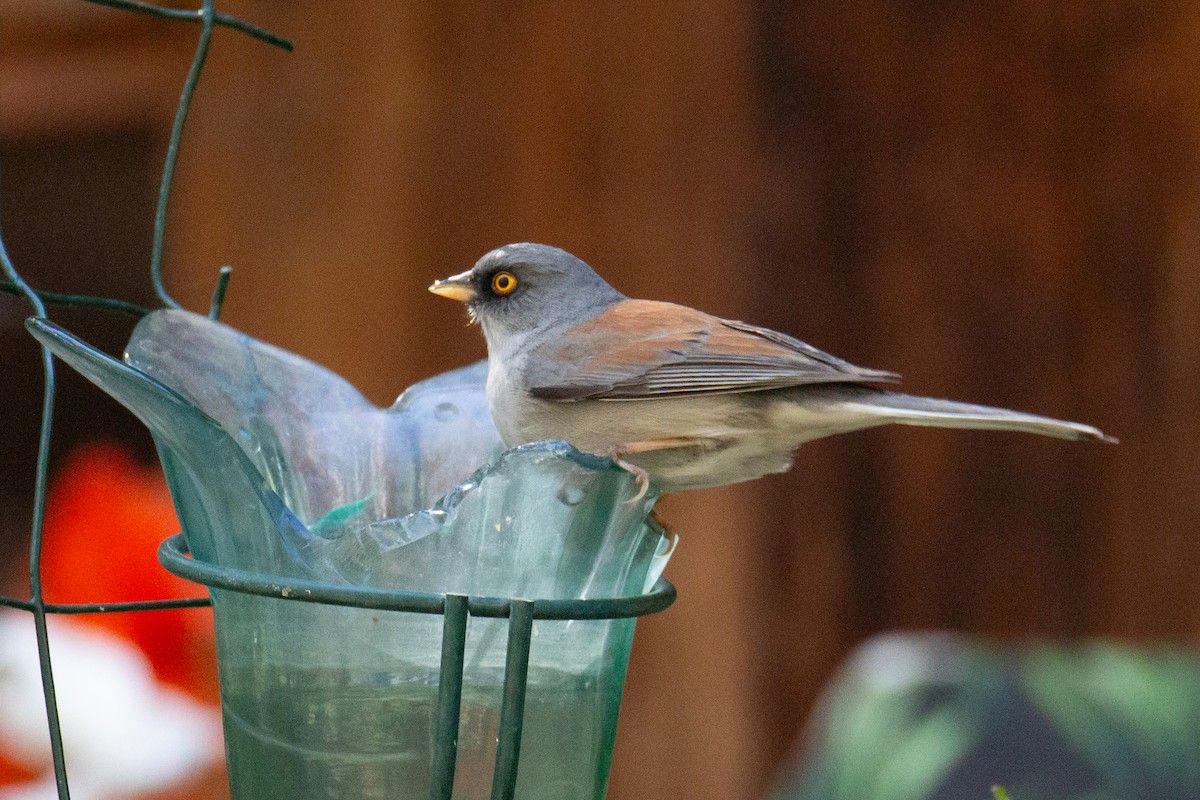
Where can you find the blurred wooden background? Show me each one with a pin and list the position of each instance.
(998, 200)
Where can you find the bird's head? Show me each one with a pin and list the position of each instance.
(524, 287)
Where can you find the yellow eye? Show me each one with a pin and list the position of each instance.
(503, 282)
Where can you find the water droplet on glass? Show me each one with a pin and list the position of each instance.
(444, 412)
(570, 495)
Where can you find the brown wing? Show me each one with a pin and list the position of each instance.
(641, 349)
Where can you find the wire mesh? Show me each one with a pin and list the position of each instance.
(208, 18)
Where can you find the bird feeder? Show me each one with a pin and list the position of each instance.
(386, 629)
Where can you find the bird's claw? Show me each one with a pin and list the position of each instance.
(640, 475)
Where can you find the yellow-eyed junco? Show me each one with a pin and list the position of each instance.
(690, 399)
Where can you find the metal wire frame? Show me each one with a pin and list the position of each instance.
(454, 608)
(208, 18)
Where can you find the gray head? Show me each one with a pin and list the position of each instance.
(524, 287)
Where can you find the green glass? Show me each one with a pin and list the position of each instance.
(279, 467)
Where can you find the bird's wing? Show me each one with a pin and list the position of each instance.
(640, 349)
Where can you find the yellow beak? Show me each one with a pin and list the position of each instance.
(457, 287)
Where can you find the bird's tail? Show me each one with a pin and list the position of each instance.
(905, 409)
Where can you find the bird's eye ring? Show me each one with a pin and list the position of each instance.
(504, 283)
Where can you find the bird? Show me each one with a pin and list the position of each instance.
(683, 399)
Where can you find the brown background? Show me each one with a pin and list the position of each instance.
(998, 200)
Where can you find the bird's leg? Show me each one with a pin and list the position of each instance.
(617, 453)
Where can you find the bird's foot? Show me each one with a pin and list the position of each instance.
(640, 475)
(617, 454)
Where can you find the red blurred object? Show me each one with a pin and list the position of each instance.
(105, 517)
(12, 773)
